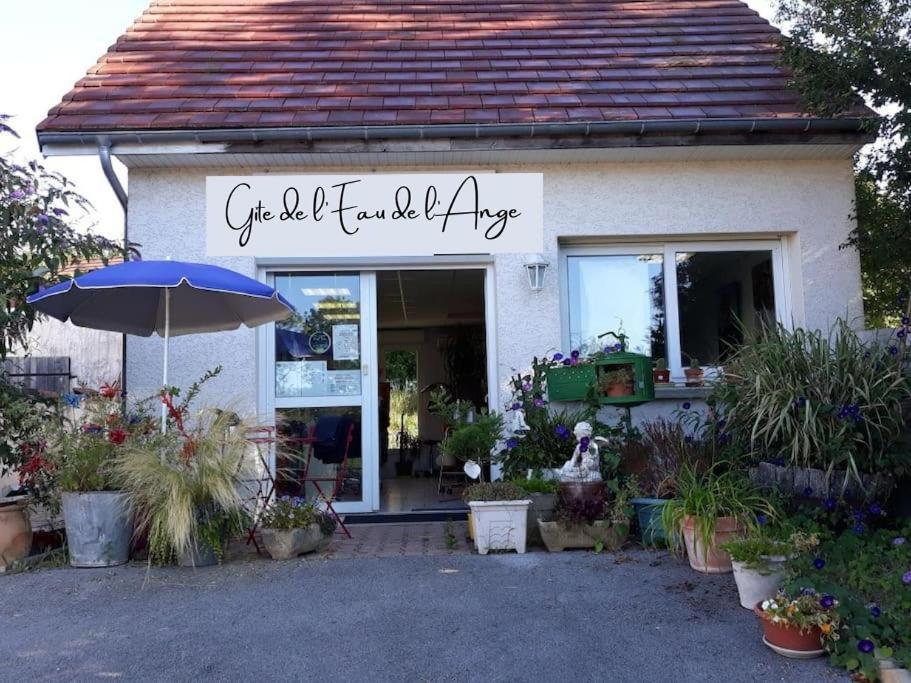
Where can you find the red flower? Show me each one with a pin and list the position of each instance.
(108, 390)
(117, 436)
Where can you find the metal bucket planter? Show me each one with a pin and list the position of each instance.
(651, 526)
(99, 525)
(15, 533)
(286, 544)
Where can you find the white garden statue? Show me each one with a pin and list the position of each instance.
(518, 425)
(585, 463)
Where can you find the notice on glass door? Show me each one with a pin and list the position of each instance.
(346, 342)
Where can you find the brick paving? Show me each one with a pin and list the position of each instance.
(402, 540)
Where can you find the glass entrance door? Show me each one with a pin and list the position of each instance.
(323, 387)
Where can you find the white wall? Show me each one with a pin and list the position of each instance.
(809, 201)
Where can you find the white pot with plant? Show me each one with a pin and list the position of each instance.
(499, 513)
(291, 527)
(760, 559)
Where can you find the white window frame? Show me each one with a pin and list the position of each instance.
(669, 250)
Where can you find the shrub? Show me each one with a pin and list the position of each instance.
(820, 401)
(295, 513)
(667, 447)
(870, 575)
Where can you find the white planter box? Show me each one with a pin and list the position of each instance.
(500, 524)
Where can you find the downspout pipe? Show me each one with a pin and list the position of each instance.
(104, 157)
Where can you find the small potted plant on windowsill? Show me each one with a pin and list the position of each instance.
(499, 513)
(618, 382)
(292, 527)
(660, 373)
(695, 375)
(798, 627)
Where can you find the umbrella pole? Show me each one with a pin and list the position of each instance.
(164, 374)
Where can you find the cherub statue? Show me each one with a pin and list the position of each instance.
(585, 463)
(518, 425)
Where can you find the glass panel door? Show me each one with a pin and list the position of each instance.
(324, 389)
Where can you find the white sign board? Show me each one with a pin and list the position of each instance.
(374, 214)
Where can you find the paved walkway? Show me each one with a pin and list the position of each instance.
(632, 616)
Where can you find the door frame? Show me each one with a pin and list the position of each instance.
(367, 268)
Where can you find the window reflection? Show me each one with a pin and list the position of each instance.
(317, 350)
(614, 292)
(716, 293)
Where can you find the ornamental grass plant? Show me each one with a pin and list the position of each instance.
(184, 484)
(817, 400)
(707, 496)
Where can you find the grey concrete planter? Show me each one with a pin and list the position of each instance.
(542, 507)
(286, 544)
(99, 525)
(796, 480)
(558, 537)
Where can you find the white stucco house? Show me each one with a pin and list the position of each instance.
(654, 156)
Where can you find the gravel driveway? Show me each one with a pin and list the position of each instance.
(634, 616)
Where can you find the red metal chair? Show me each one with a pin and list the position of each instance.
(338, 481)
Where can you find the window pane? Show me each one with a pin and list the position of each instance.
(318, 349)
(715, 290)
(613, 293)
(322, 444)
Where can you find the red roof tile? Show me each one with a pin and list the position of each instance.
(201, 64)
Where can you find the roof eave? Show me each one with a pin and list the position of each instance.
(674, 130)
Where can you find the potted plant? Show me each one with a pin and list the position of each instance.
(291, 526)
(617, 382)
(96, 513)
(15, 530)
(499, 513)
(759, 561)
(798, 627)
(711, 508)
(660, 373)
(695, 375)
(589, 523)
(543, 496)
(184, 486)
(655, 454)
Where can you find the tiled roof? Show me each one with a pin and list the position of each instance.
(214, 64)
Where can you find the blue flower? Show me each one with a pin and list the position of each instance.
(562, 432)
(575, 353)
(584, 443)
(898, 540)
(859, 528)
(72, 400)
(558, 356)
(875, 611)
(906, 320)
(762, 519)
(42, 219)
(512, 443)
(807, 591)
(875, 509)
(830, 504)
(901, 333)
(866, 646)
(539, 402)
(516, 406)
(686, 405)
(819, 563)
(827, 602)
(893, 350)
(567, 361)
(858, 516)
(807, 492)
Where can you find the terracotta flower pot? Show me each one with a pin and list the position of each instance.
(15, 533)
(710, 560)
(695, 377)
(661, 376)
(788, 637)
(619, 389)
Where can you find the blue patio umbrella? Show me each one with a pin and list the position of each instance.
(171, 298)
